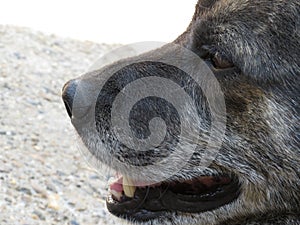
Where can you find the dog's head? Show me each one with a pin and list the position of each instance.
(204, 129)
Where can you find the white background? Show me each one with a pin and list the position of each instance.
(109, 21)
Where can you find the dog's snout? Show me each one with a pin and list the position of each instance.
(68, 93)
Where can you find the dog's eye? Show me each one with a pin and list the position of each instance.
(220, 62)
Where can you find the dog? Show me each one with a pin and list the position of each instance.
(252, 49)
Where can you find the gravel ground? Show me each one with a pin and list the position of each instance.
(43, 178)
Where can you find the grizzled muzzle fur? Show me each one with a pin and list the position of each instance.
(204, 130)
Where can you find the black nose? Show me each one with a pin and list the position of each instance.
(68, 93)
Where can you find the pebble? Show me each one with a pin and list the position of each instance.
(38, 189)
(24, 190)
(39, 215)
(41, 181)
(74, 222)
(53, 202)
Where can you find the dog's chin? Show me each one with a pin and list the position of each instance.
(197, 195)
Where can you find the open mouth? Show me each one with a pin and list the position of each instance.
(142, 203)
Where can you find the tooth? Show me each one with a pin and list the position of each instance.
(128, 187)
(116, 194)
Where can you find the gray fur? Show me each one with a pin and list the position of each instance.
(261, 38)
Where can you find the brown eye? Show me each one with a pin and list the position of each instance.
(220, 62)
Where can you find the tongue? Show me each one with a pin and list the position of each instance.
(117, 185)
